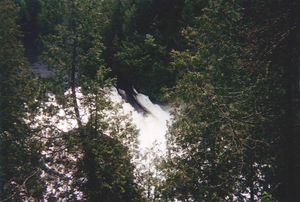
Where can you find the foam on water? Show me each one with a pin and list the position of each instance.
(152, 126)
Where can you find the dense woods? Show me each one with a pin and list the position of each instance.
(228, 70)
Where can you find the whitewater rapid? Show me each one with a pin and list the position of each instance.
(152, 125)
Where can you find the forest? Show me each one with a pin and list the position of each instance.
(150, 100)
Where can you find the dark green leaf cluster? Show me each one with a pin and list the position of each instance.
(19, 150)
(231, 101)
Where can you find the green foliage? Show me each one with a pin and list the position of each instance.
(267, 198)
(76, 41)
(138, 41)
(105, 144)
(19, 156)
(219, 145)
(149, 173)
(140, 56)
(105, 170)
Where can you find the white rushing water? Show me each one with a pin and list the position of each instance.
(152, 126)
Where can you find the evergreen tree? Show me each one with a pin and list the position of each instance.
(140, 56)
(19, 156)
(220, 142)
(276, 36)
(104, 144)
(138, 41)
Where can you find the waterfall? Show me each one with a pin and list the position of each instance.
(152, 125)
(150, 119)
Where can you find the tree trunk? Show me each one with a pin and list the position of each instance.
(73, 83)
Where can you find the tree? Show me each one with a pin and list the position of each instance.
(279, 46)
(20, 150)
(220, 143)
(144, 56)
(138, 40)
(104, 143)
